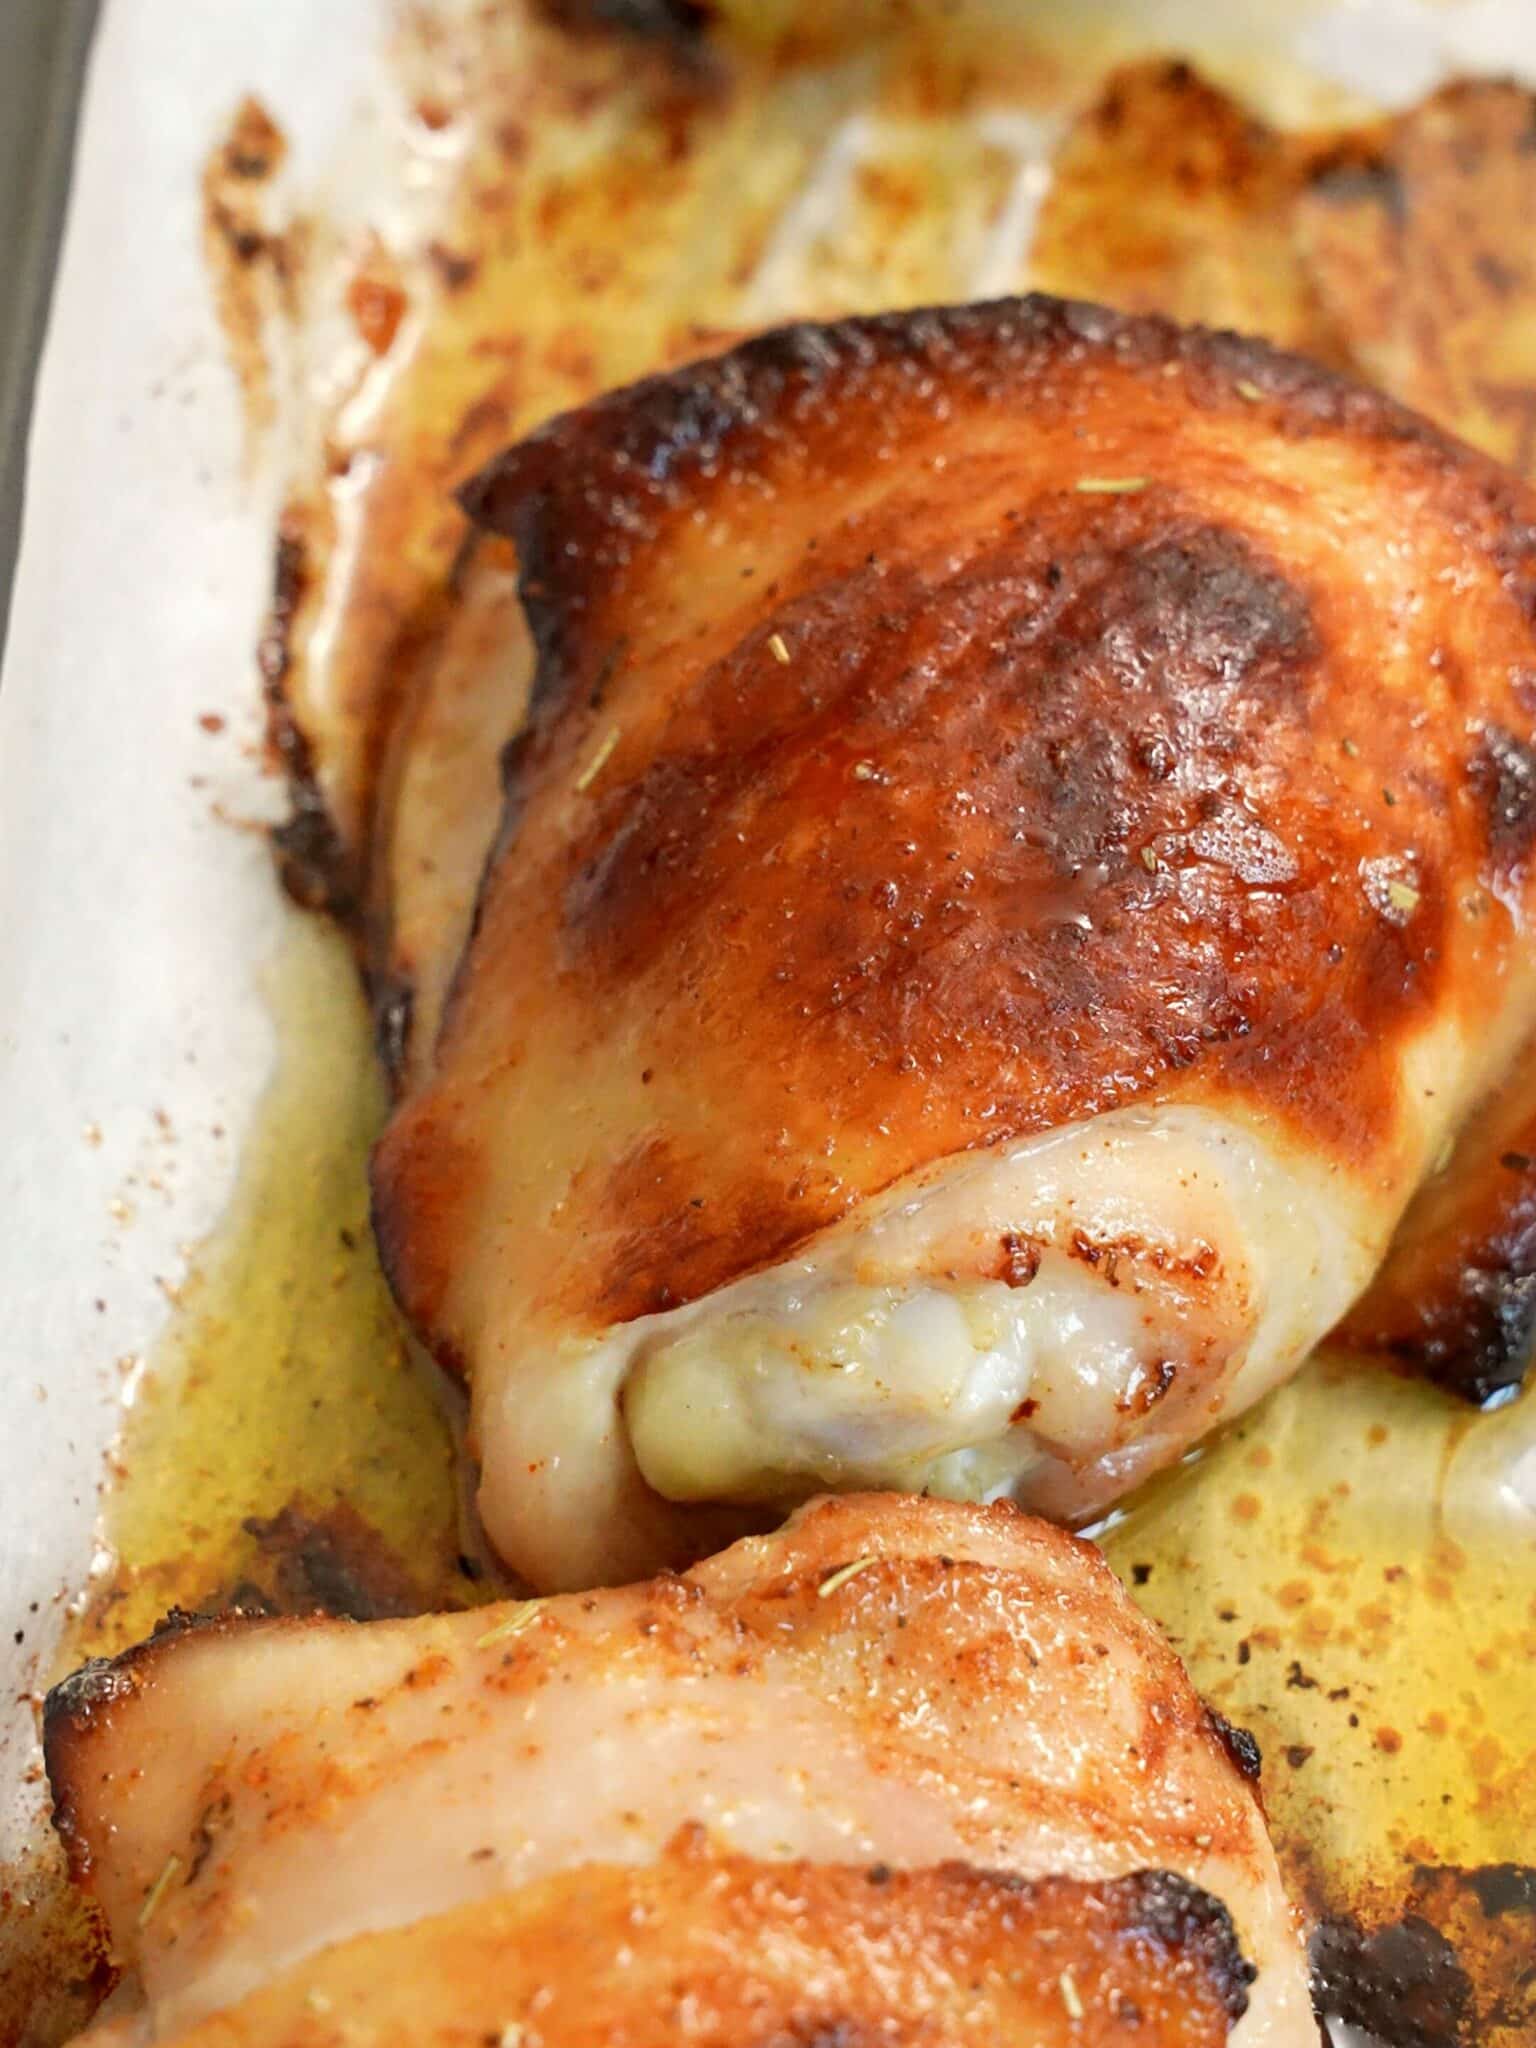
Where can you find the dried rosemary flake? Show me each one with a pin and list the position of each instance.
(1071, 1998)
(1111, 486)
(865, 771)
(778, 647)
(1349, 748)
(523, 1615)
(1403, 897)
(158, 1890)
(594, 767)
(1148, 858)
(1389, 797)
(841, 1576)
(1246, 388)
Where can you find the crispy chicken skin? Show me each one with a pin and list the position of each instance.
(1396, 249)
(1392, 248)
(720, 1950)
(1412, 237)
(827, 1777)
(1456, 1299)
(1016, 869)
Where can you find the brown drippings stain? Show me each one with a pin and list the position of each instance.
(1020, 1260)
(377, 304)
(54, 1965)
(335, 1562)
(252, 262)
(257, 257)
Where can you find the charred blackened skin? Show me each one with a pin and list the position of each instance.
(85, 1693)
(1183, 1919)
(1162, 1908)
(69, 1713)
(392, 1001)
(1457, 1301)
(1485, 1353)
(311, 861)
(74, 1705)
(1238, 1743)
(1504, 772)
(1402, 1982)
(102, 1681)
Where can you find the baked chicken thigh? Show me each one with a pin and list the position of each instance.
(1016, 870)
(906, 1771)
(1395, 248)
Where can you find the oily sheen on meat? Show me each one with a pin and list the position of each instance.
(905, 1771)
(1016, 870)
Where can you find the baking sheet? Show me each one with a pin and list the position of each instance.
(43, 47)
(138, 919)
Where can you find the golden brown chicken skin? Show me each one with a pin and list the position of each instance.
(1394, 249)
(722, 1952)
(960, 735)
(905, 1770)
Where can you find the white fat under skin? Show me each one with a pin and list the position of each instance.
(1187, 1261)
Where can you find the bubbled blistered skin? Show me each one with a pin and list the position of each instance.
(950, 728)
(829, 1778)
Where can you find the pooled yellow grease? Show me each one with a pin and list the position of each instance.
(284, 1379)
(1351, 1574)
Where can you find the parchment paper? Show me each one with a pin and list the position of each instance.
(134, 921)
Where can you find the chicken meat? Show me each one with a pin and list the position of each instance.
(1392, 248)
(1015, 872)
(906, 1770)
